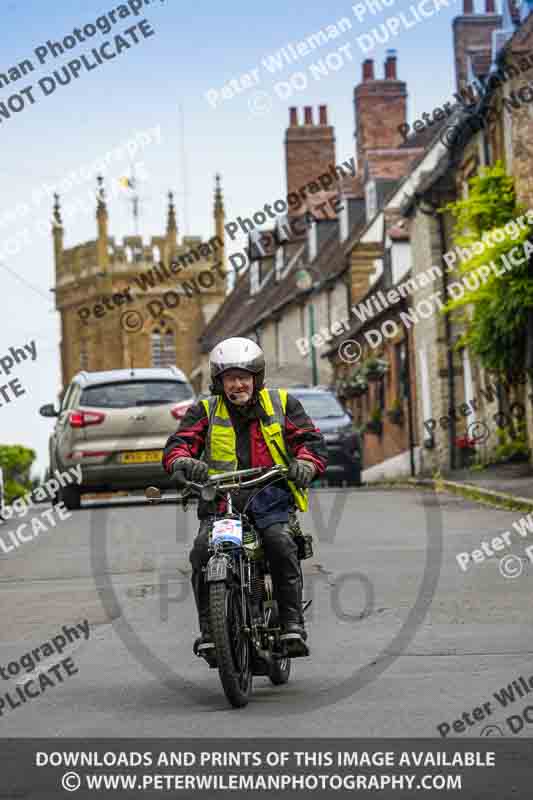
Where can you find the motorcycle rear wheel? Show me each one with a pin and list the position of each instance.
(233, 649)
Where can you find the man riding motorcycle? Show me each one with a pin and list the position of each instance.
(242, 425)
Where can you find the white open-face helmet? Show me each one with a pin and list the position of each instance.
(236, 353)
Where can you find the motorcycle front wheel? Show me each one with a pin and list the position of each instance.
(227, 619)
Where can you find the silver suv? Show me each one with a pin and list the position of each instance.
(114, 425)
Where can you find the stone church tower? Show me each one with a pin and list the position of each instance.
(130, 304)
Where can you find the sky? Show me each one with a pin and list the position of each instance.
(161, 82)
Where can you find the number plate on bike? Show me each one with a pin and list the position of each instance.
(217, 569)
(227, 530)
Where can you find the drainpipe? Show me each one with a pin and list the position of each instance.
(452, 432)
(410, 422)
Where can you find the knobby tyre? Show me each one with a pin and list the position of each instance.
(232, 646)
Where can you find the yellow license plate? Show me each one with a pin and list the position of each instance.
(141, 457)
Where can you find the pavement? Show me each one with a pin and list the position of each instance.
(508, 485)
(515, 480)
(402, 640)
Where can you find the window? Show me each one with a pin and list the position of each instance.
(468, 382)
(400, 354)
(279, 262)
(163, 346)
(129, 394)
(371, 200)
(312, 241)
(344, 222)
(255, 277)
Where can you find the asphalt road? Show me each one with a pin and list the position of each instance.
(401, 639)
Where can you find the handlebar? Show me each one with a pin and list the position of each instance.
(218, 482)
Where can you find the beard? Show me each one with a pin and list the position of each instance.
(240, 398)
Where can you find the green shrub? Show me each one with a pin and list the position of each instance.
(511, 448)
(16, 462)
(495, 314)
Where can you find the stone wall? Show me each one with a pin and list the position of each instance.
(111, 340)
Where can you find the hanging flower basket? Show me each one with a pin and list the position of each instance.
(358, 384)
(358, 389)
(375, 369)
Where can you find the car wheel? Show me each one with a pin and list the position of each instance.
(70, 496)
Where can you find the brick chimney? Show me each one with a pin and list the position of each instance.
(380, 107)
(309, 147)
(472, 33)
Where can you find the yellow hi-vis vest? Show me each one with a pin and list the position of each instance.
(221, 444)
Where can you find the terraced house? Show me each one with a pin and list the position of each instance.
(443, 382)
(356, 301)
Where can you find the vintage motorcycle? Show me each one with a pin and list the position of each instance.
(243, 615)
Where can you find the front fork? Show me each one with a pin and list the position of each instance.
(220, 568)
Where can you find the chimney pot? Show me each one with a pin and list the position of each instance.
(293, 112)
(468, 6)
(308, 111)
(368, 69)
(323, 115)
(490, 7)
(390, 65)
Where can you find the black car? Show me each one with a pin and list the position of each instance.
(336, 425)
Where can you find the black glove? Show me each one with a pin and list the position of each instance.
(194, 469)
(301, 473)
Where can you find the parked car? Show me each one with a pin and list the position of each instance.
(336, 425)
(115, 425)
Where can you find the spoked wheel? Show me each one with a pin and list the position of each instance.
(281, 667)
(232, 646)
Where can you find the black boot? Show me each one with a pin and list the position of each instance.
(203, 645)
(293, 634)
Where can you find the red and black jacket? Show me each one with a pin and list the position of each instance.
(303, 439)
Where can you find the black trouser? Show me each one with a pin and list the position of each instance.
(282, 554)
